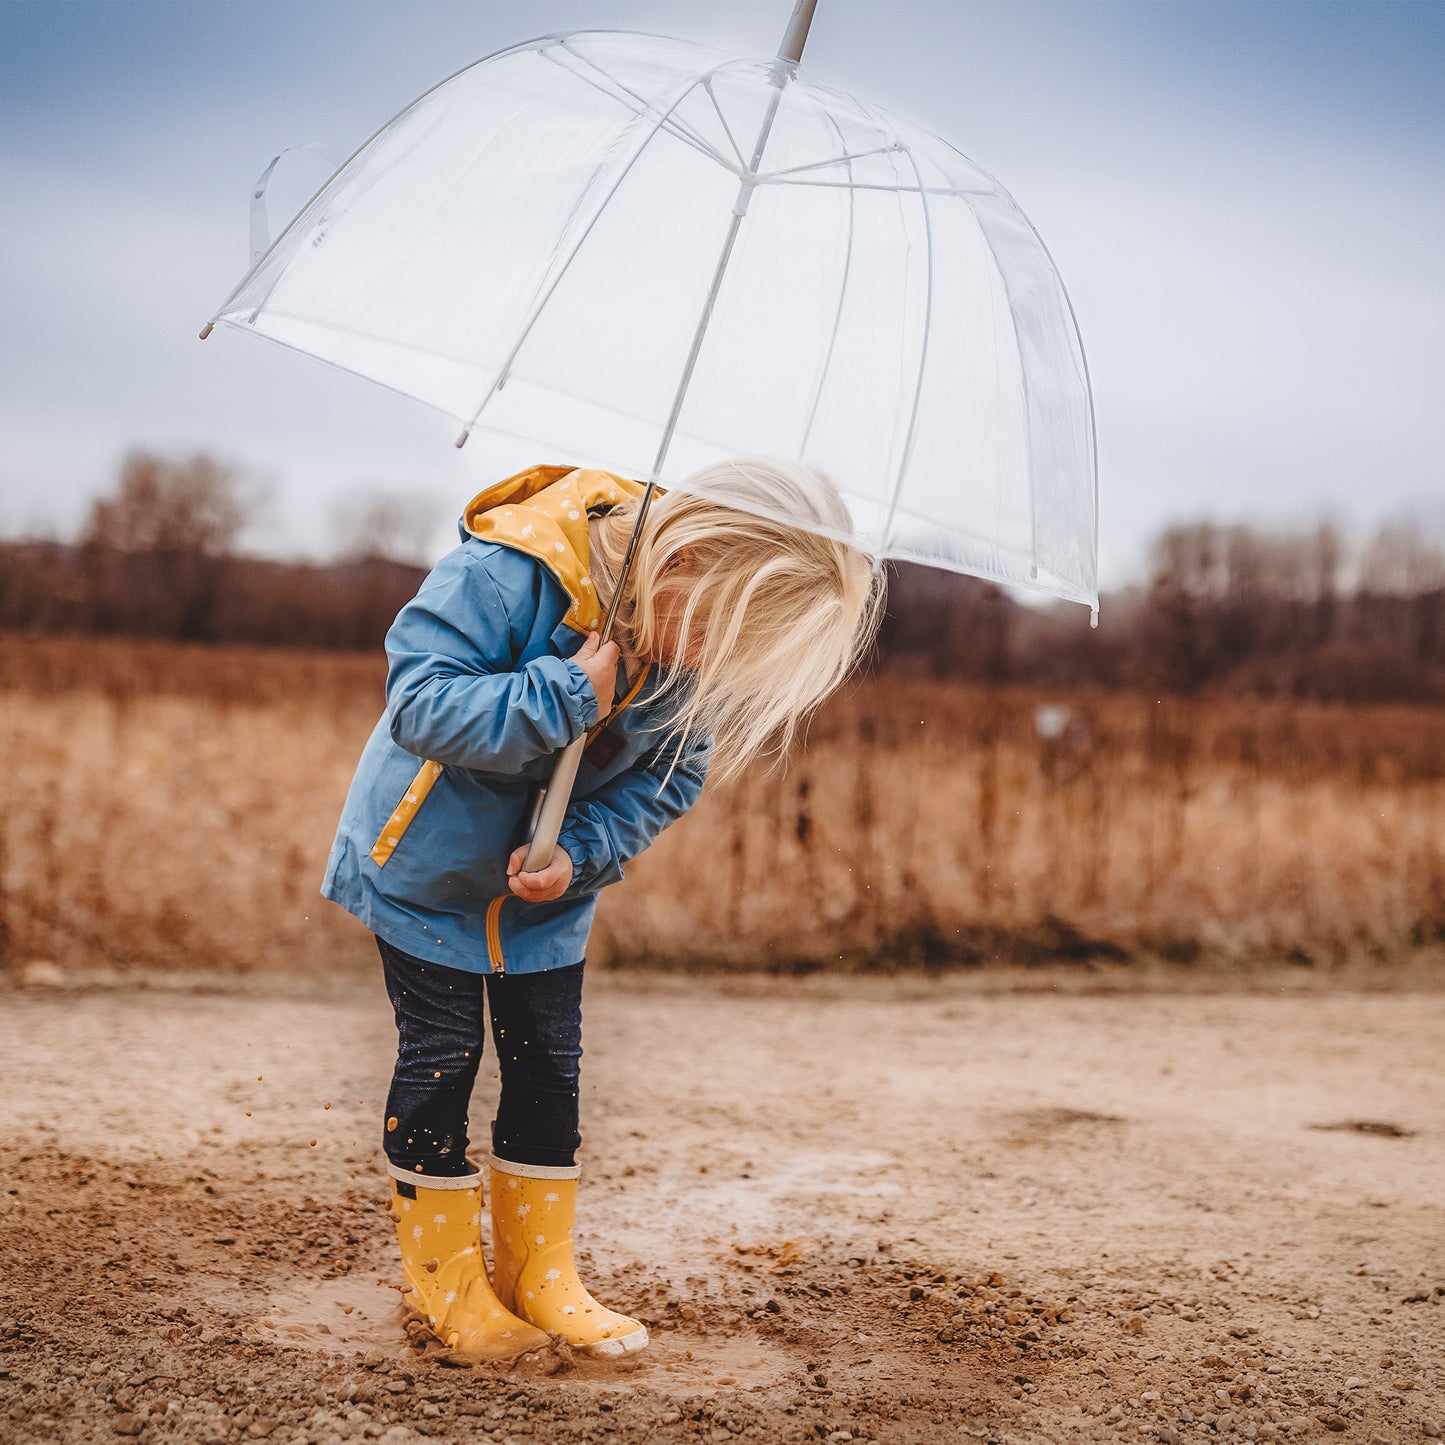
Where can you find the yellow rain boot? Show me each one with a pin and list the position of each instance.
(438, 1222)
(534, 1210)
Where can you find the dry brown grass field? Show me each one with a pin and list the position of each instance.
(171, 807)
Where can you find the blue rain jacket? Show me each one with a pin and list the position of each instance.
(479, 696)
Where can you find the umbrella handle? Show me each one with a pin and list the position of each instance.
(550, 807)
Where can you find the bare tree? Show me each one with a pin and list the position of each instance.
(158, 547)
(395, 526)
(186, 507)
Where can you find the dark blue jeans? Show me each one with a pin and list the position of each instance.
(441, 1016)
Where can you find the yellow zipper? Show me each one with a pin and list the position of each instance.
(494, 935)
(494, 908)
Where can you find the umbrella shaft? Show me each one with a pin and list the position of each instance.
(746, 186)
(796, 35)
(549, 808)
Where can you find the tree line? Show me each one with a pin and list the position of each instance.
(158, 559)
(1289, 613)
(1306, 613)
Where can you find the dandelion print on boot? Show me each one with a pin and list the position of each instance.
(439, 1226)
(534, 1210)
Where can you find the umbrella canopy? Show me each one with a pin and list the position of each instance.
(649, 255)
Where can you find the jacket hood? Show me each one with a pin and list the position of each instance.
(543, 512)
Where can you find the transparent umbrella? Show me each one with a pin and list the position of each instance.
(648, 255)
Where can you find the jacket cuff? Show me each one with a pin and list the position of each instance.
(592, 863)
(574, 687)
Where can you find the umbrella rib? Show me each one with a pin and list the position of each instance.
(912, 433)
(674, 127)
(740, 209)
(556, 281)
(1028, 408)
(1061, 586)
(990, 572)
(1083, 365)
(746, 187)
(847, 159)
(341, 366)
(723, 121)
(837, 315)
(349, 329)
(986, 539)
(779, 179)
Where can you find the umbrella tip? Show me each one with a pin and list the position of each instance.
(206, 329)
(1094, 616)
(462, 440)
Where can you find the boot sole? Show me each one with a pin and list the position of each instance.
(498, 1353)
(625, 1345)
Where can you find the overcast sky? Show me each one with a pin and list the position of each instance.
(1245, 200)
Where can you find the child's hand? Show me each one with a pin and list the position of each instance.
(547, 883)
(598, 660)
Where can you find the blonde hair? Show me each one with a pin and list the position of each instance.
(772, 616)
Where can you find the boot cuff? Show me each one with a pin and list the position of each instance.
(535, 1171)
(434, 1181)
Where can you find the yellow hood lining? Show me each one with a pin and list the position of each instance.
(543, 512)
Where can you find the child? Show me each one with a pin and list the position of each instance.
(733, 629)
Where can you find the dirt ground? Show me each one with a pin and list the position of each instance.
(892, 1210)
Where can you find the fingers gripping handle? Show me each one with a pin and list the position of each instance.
(551, 807)
(551, 804)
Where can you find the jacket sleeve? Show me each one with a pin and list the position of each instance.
(453, 692)
(617, 822)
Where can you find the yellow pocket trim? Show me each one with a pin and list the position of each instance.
(396, 825)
